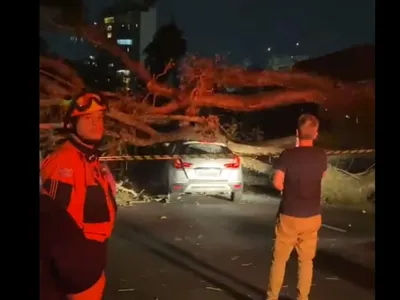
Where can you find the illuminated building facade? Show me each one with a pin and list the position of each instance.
(132, 27)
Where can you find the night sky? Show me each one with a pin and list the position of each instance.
(246, 28)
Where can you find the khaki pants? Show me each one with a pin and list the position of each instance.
(299, 233)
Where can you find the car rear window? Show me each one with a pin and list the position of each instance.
(192, 149)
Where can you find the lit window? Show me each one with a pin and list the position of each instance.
(129, 26)
(136, 25)
(111, 65)
(109, 28)
(124, 72)
(125, 42)
(109, 20)
(109, 35)
(127, 49)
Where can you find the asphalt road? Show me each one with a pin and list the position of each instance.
(208, 248)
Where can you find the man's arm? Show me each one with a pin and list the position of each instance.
(280, 170)
(279, 179)
(324, 163)
(57, 179)
(110, 179)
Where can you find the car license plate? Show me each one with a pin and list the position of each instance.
(208, 173)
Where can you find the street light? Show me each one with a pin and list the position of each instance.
(269, 49)
(297, 44)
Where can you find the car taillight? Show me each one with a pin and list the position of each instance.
(235, 164)
(178, 164)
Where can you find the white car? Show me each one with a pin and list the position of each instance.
(204, 175)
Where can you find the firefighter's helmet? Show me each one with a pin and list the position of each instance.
(84, 104)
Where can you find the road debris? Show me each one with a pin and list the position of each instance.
(126, 290)
(200, 236)
(213, 288)
(177, 238)
(334, 228)
(248, 264)
(235, 257)
(163, 217)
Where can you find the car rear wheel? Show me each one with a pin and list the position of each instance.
(236, 196)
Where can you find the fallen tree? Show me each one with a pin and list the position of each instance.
(132, 119)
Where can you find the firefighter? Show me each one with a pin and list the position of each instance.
(73, 177)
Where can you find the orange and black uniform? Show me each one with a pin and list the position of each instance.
(74, 178)
(67, 264)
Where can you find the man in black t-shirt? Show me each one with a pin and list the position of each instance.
(298, 175)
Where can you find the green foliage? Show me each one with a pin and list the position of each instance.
(238, 131)
(341, 188)
(348, 134)
(72, 12)
(168, 44)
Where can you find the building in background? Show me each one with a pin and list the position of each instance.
(131, 24)
(95, 72)
(67, 13)
(284, 62)
(352, 64)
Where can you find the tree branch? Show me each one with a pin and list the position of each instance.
(129, 120)
(200, 78)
